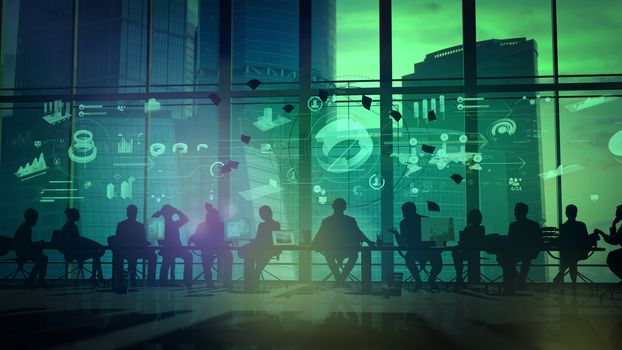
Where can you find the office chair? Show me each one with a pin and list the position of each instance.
(6, 245)
(71, 254)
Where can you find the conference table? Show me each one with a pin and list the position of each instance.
(365, 251)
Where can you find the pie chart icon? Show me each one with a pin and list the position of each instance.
(615, 144)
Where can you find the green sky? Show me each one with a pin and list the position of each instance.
(589, 40)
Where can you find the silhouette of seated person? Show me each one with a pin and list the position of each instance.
(614, 258)
(337, 239)
(410, 239)
(524, 243)
(573, 238)
(76, 247)
(471, 239)
(171, 244)
(131, 244)
(258, 253)
(26, 249)
(211, 234)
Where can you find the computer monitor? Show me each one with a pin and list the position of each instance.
(238, 229)
(283, 237)
(155, 228)
(439, 230)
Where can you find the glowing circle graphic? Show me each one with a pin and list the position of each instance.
(615, 144)
(336, 158)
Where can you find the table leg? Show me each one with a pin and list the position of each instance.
(366, 270)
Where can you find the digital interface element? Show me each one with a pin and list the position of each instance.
(157, 149)
(254, 193)
(376, 182)
(321, 193)
(504, 126)
(214, 169)
(84, 110)
(336, 159)
(615, 144)
(561, 170)
(466, 103)
(180, 148)
(238, 229)
(33, 169)
(152, 105)
(314, 103)
(53, 193)
(124, 146)
(54, 111)
(266, 121)
(202, 147)
(83, 148)
(515, 184)
(283, 237)
(589, 102)
(125, 189)
(427, 106)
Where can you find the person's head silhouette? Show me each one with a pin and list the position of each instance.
(265, 212)
(571, 211)
(167, 211)
(409, 210)
(619, 212)
(339, 205)
(31, 216)
(520, 211)
(132, 212)
(474, 217)
(73, 214)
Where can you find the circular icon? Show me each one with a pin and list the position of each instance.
(376, 182)
(83, 148)
(317, 188)
(57, 161)
(463, 139)
(214, 169)
(157, 149)
(444, 137)
(615, 144)
(291, 175)
(315, 103)
(413, 141)
(336, 159)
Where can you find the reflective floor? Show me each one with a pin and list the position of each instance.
(304, 316)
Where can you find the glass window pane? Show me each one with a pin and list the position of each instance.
(589, 37)
(514, 40)
(346, 40)
(420, 31)
(37, 47)
(591, 141)
(265, 43)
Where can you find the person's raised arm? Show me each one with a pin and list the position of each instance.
(183, 218)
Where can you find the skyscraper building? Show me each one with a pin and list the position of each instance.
(509, 126)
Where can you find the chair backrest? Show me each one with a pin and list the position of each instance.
(6, 244)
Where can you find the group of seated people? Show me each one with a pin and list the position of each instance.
(337, 239)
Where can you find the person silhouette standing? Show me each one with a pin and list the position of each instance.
(410, 237)
(260, 250)
(573, 237)
(524, 243)
(171, 244)
(82, 248)
(26, 249)
(470, 241)
(211, 234)
(337, 239)
(132, 244)
(614, 258)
